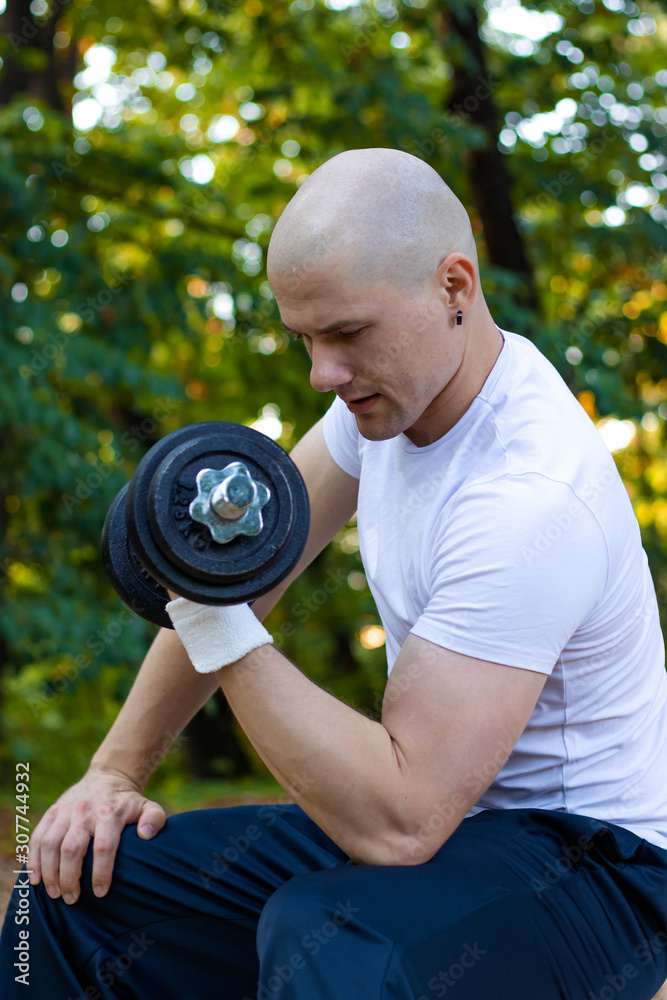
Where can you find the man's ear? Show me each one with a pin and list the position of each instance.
(458, 280)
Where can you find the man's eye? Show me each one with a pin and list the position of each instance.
(351, 333)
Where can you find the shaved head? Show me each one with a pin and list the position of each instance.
(373, 264)
(386, 213)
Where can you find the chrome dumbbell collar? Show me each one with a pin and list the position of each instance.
(229, 502)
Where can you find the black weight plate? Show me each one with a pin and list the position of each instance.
(187, 543)
(246, 566)
(130, 580)
(180, 552)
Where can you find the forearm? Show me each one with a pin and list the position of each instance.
(164, 697)
(341, 767)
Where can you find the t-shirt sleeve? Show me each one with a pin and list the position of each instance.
(518, 564)
(342, 437)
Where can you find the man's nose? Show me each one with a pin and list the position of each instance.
(328, 369)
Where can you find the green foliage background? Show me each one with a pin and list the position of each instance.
(155, 312)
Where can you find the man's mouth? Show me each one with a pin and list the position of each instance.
(362, 403)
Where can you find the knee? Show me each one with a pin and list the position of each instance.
(303, 916)
(285, 914)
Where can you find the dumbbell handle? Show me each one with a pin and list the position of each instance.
(224, 496)
(231, 498)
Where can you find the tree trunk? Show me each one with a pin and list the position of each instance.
(210, 737)
(24, 32)
(472, 100)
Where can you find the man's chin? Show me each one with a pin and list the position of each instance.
(373, 428)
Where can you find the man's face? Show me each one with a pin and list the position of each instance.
(386, 352)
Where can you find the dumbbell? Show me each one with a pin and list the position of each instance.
(216, 512)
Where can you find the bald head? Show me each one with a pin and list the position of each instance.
(384, 212)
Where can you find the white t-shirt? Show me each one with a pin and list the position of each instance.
(512, 539)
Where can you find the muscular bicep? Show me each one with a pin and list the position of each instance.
(333, 501)
(454, 721)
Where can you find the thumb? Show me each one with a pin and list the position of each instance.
(151, 821)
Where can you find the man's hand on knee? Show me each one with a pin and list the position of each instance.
(98, 807)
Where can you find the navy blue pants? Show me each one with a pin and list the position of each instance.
(257, 903)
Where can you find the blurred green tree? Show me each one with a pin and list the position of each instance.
(145, 154)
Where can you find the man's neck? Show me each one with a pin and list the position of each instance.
(479, 357)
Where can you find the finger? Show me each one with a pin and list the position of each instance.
(105, 845)
(35, 845)
(107, 838)
(151, 821)
(50, 856)
(72, 852)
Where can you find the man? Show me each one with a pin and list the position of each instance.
(502, 832)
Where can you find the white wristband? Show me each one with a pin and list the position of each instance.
(214, 636)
